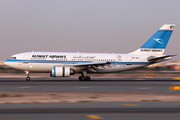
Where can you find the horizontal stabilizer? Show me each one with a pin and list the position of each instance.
(159, 59)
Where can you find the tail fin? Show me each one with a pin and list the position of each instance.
(157, 43)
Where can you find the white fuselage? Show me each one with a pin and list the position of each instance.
(63, 64)
(44, 61)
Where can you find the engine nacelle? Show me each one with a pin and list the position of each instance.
(61, 72)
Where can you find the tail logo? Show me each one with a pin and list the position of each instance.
(158, 40)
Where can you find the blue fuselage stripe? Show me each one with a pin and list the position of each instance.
(72, 62)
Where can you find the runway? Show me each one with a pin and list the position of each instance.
(81, 111)
(96, 85)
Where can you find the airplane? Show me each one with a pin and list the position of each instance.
(64, 64)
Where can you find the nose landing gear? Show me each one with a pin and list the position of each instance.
(27, 78)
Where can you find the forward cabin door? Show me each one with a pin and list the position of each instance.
(26, 64)
(25, 59)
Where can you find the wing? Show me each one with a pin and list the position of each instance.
(159, 59)
(90, 67)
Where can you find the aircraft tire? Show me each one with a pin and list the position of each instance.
(88, 78)
(80, 78)
(28, 78)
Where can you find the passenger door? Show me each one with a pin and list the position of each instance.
(129, 60)
(25, 59)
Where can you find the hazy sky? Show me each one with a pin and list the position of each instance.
(119, 26)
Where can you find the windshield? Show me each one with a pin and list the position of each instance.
(12, 58)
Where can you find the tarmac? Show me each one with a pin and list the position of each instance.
(86, 111)
(153, 90)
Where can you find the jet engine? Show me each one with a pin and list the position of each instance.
(61, 72)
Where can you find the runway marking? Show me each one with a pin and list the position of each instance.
(130, 105)
(24, 87)
(149, 76)
(93, 116)
(139, 79)
(174, 88)
(144, 88)
(83, 87)
(176, 83)
(176, 78)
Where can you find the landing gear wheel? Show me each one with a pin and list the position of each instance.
(88, 78)
(28, 78)
(81, 78)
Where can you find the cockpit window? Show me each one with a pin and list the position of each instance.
(12, 58)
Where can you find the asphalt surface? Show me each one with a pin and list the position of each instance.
(86, 111)
(90, 116)
(92, 110)
(96, 85)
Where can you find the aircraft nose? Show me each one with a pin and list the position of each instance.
(6, 62)
(9, 63)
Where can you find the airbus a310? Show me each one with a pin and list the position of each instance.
(64, 64)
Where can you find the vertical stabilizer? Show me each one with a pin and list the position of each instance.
(157, 43)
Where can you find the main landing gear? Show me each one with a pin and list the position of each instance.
(84, 76)
(27, 78)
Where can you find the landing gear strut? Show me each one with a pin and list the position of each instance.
(84, 76)
(27, 78)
